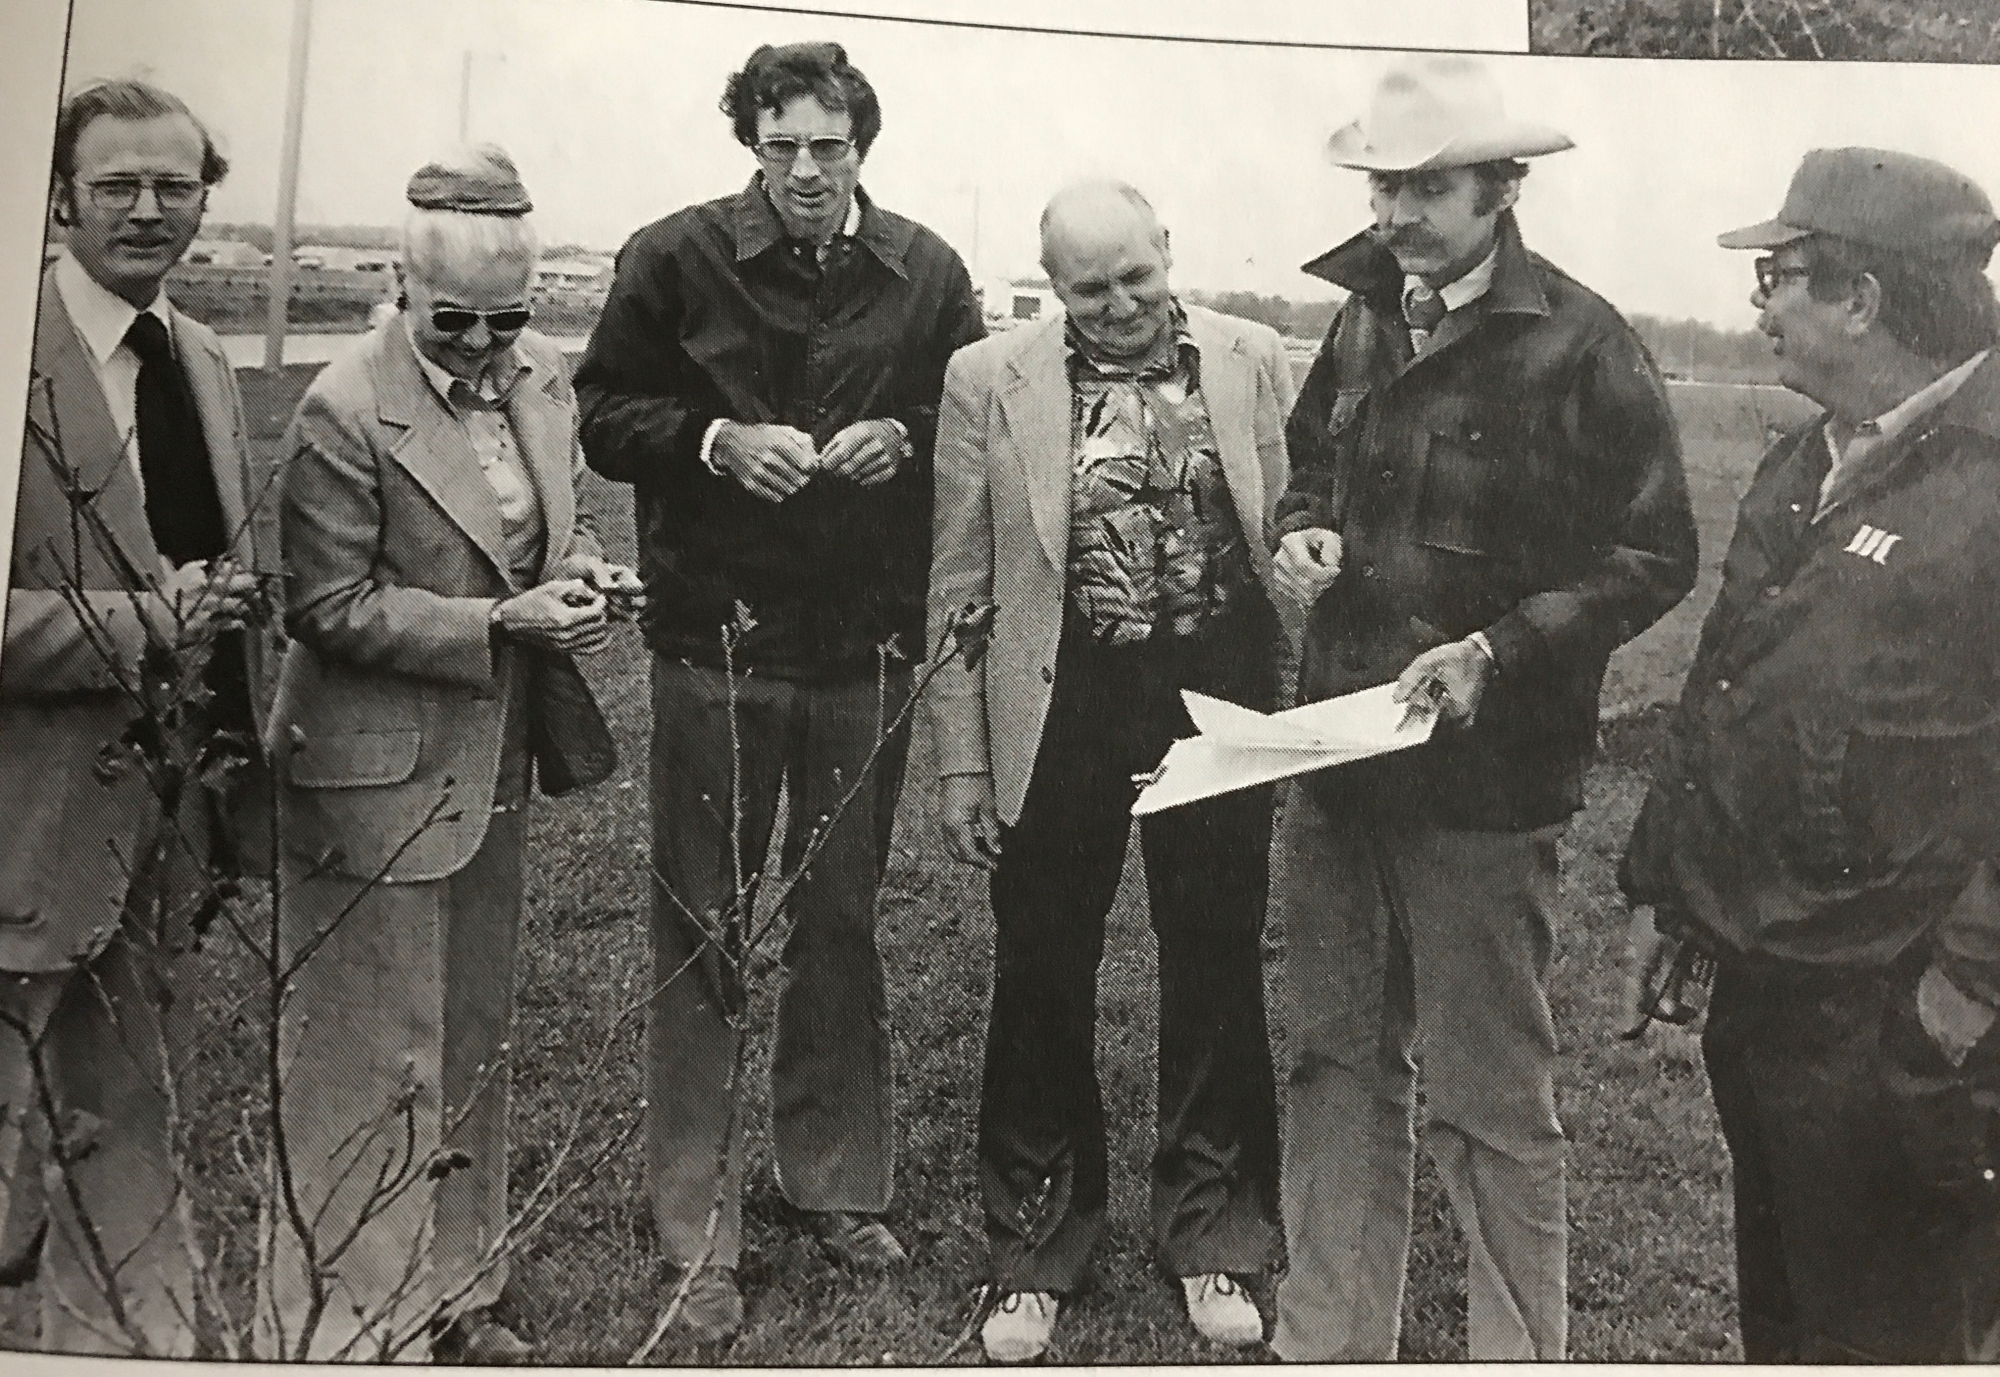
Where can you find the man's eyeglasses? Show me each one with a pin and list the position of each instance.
(784, 152)
(1770, 274)
(122, 193)
(455, 320)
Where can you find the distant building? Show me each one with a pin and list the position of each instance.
(1017, 301)
(341, 259)
(573, 274)
(223, 253)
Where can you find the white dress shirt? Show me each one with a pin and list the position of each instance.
(1463, 290)
(101, 318)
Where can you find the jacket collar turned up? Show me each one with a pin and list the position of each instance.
(1367, 269)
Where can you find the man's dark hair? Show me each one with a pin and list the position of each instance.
(1940, 309)
(774, 77)
(1494, 179)
(127, 100)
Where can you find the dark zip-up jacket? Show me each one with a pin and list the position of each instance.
(1831, 792)
(1522, 478)
(715, 314)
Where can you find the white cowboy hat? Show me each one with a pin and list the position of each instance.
(1438, 111)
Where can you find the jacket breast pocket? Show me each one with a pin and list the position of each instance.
(356, 759)
(1456, 508)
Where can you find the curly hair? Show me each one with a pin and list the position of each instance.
(774, 77)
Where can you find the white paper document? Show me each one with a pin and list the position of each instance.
(1239, 747)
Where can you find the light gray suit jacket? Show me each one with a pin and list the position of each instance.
(81, 612)
(1001, 533)
(391, 694)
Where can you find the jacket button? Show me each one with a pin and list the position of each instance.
(1388, 475)
(1368, 571)
(1773, 591)
(1689, 786)
(1048, 675)
(1722, 686)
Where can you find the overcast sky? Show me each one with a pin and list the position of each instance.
(609, 107)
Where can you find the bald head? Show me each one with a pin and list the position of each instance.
(1106, 255)
(1089, 212)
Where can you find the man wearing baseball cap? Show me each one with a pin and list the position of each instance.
(1486, 499)
(1824, 825)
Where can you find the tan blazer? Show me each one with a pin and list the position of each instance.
(391, 697)
(80, 614)
(1003, 514)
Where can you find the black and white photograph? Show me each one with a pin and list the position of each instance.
(710, 683)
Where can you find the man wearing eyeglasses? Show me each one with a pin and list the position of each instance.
(1486, 499)
(1825, 824)
(142, 537)
(766, 375)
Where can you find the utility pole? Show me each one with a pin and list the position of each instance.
(280, 278)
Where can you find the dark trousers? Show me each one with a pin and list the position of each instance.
(1844, 1252)
(832, 1111)
(1042, 1166)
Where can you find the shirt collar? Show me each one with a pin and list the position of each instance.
(1365, 268)
(758, 228)
(1885, 429)
(499, 380)
(100, 315)
(1186, 353)
(1464, 289)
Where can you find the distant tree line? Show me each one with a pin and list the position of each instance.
(1303, 319)
(1683, 348)
(1696, 350)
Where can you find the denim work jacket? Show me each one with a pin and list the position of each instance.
(1521, 477)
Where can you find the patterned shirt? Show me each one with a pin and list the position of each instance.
(1155, 544)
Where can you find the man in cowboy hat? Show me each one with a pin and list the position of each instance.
(1486, 499)
(1823, 825)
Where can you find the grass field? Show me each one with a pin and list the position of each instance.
(1882, 30)
(1650, 1263)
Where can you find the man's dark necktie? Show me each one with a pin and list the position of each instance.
(1425, 311)
(181, 504)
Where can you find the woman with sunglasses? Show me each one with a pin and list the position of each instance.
(439, 579)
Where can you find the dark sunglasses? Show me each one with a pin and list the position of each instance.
(456, 320)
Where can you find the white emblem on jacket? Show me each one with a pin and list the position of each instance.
(1871, 543)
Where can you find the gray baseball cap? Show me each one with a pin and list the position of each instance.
(1890, 200)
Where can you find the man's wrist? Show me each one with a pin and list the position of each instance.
(708, 446)
(1485, 647)
(1954, 1020)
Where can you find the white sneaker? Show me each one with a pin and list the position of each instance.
(1018, 1330)
(1222, 1311)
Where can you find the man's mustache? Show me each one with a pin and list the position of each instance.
(1404, 239)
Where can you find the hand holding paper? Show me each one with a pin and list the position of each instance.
(1240, 747)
